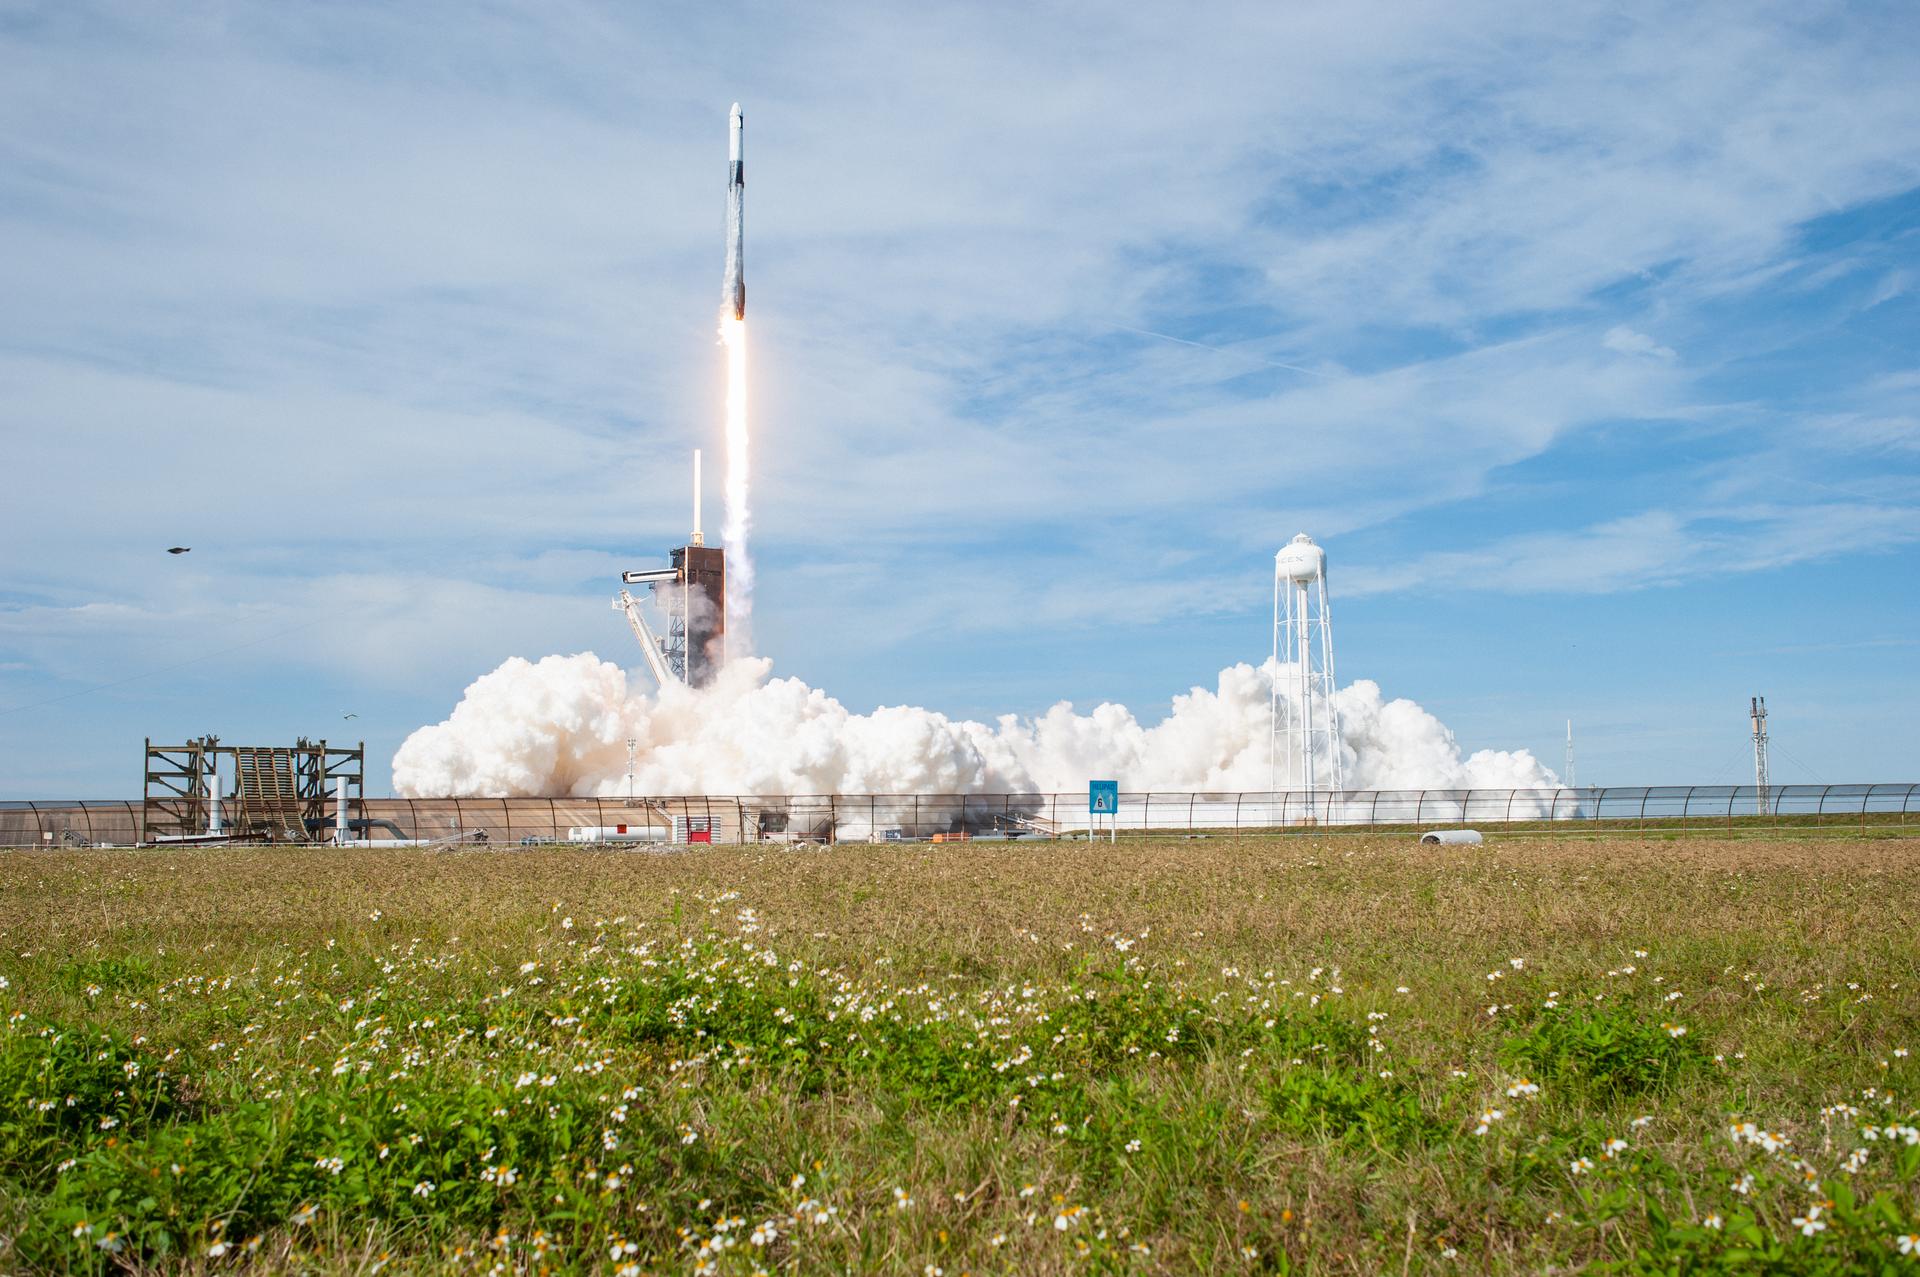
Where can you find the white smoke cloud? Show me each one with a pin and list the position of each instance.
(561, 726)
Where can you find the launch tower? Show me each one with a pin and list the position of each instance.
(696, 599)
(692, 595)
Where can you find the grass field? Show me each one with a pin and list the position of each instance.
(1352, 1055)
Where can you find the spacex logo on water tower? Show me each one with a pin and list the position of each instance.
(1304, 753)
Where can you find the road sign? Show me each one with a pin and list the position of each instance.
(1103, 797)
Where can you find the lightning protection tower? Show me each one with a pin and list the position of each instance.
(1304, 752)
(693, 595)
(1757, 708)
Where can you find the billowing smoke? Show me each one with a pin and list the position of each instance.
(561, 726)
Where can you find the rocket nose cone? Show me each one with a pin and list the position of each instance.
(735, 113)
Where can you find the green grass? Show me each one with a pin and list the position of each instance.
(1341, 1055)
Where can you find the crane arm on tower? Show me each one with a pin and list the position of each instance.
(649, 645)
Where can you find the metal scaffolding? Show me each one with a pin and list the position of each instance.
(253, 793)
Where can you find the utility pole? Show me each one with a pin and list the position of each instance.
(631, 746)
(1758, 709)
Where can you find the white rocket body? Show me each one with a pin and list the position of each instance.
(736, 282)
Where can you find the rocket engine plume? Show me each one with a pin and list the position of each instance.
(739, 516)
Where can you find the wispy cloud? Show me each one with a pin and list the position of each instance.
(1655, 548)
(1629, 342)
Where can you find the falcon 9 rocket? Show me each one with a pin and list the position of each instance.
(736, 284)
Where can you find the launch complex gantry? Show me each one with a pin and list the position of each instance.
(204, 790)
(692, 593)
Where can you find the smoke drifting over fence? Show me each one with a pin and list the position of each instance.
(560, 726)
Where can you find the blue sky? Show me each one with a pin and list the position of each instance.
(1583, 337)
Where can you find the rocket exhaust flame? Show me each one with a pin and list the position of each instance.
(739, 516)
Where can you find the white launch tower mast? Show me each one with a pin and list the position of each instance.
(1304, 721)
(1758, 711)
(666, 658)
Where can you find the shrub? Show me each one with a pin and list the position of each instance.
(1350, 1106)
(1606, 1052)
(64, 1089)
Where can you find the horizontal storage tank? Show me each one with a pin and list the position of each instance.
(618, 833)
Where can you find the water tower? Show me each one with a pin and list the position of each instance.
(1305, 751)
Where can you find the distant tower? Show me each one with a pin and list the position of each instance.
(1303, 720)
(696, 605)
(1758, 709)
(1570, 780)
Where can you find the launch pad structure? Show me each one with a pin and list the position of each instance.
(255, 793)
(692, 595)
(702, 619)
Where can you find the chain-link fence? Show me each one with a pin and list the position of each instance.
(996, 817)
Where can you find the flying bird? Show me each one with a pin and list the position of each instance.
(178, 549)
(349, 716)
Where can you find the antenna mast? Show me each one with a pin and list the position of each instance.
(1758, 709)
(696, 538)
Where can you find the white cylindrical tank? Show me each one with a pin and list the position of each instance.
(1300, 560)
(1453, 837)
(214, 816)
(617, 833)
